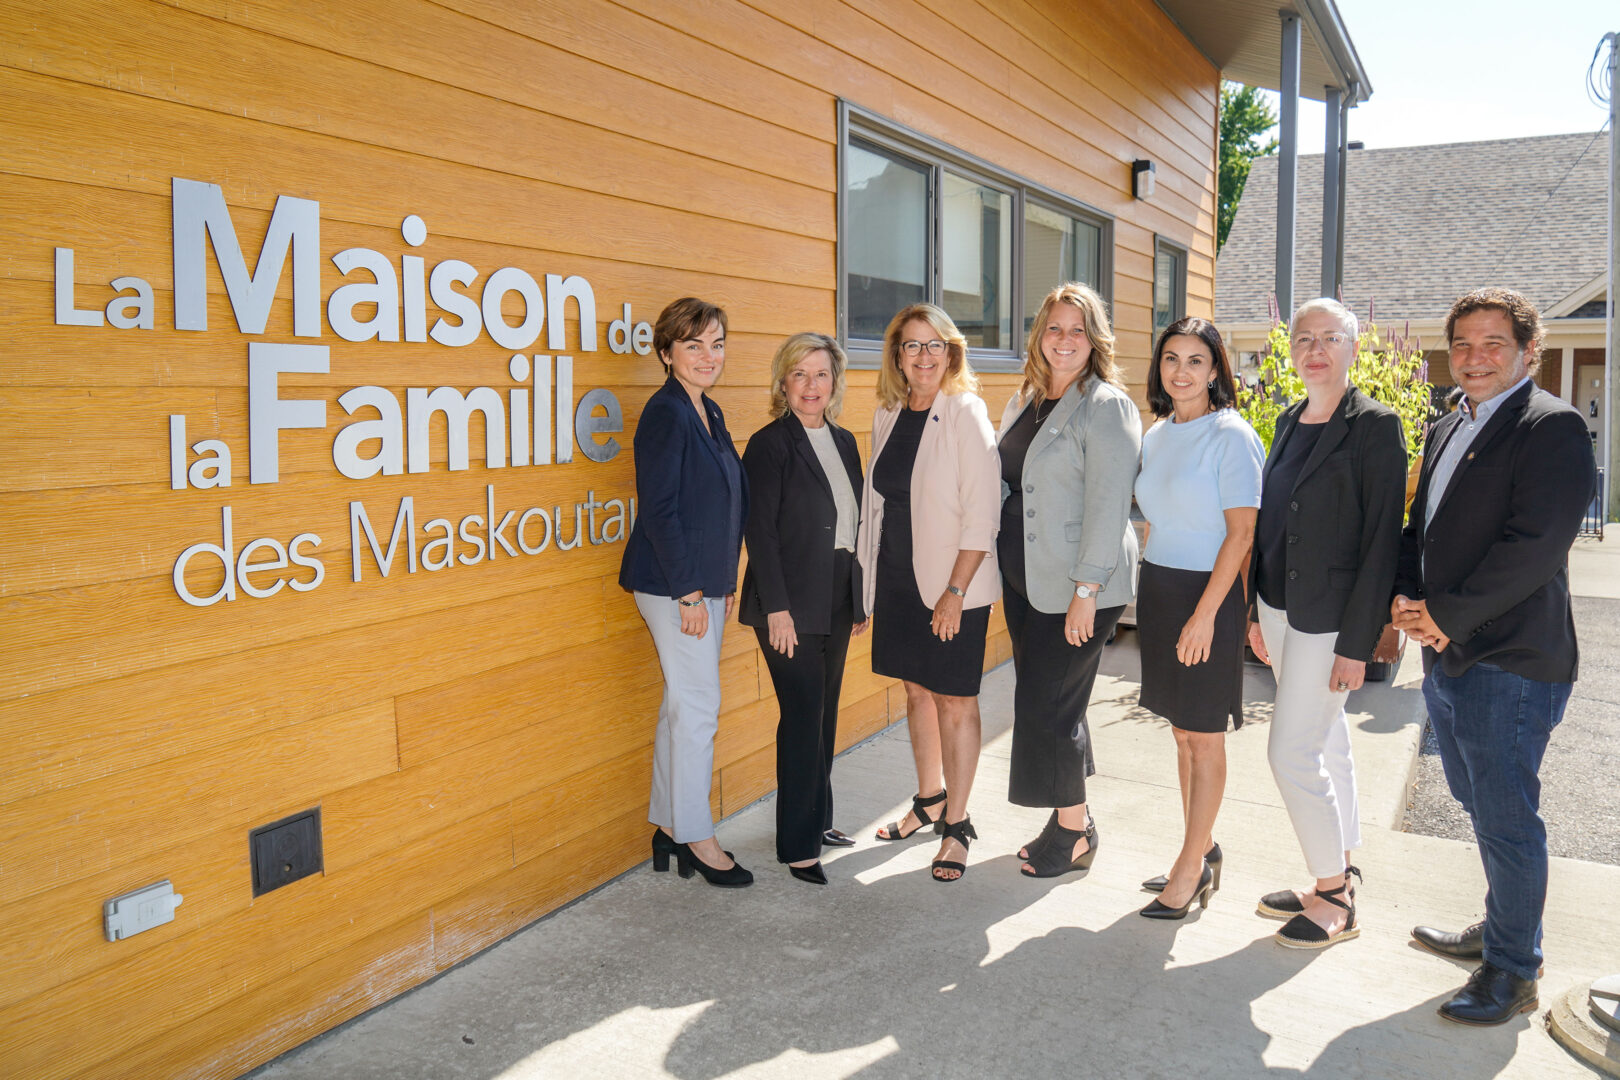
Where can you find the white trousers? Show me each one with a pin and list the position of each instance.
(1309, 745)
(689, 715)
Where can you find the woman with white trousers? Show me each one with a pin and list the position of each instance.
(1325, 547)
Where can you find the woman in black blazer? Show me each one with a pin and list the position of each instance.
(802, 591)
(1332, 495)
(681, 564)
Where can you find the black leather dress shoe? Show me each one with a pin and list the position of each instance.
(1469, 944)
(1491, 996)
(834, 838)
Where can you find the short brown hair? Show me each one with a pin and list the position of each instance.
(1094, 312)
(892, 387)
(791, 353)
(682, 319)
(1516, 306)
(1222, 394)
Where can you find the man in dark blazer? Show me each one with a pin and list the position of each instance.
(1483, 584)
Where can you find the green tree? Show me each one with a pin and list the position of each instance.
(1246, 116)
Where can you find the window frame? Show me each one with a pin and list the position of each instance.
(863, 125)
(1163, 245)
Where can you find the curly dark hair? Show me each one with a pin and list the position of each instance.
(1516, 306)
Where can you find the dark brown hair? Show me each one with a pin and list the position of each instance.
(1222, 395)
(682, 319)
(1516, 306)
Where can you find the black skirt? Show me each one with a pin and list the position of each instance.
(1204, 696)
(904, 645)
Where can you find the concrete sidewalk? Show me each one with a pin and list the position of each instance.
(885, 973)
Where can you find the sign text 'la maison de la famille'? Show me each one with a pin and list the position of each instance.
(535, 420)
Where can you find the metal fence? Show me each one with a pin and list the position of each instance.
(1592, 524)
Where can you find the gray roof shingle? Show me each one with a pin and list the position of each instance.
(1424, 224)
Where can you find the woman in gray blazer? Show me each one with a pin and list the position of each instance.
(1069, 444)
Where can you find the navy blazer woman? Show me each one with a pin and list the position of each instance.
(790, 532)
(684, 539)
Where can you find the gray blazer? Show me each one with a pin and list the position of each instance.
(1078, 478)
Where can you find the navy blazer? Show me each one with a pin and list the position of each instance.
(683, 539)
(791, 527)
(1343, 523)
(1493, 564)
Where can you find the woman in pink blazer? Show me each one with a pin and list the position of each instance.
(927, 552)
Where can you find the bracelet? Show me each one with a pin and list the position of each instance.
(690, 603)
(954, 591)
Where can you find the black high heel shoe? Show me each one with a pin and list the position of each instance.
(963, 833)
(735, 877)
(1212, 856)
(813, 873)
(918, 806)
(663, 846)
(1053, 859)
(1159, 910)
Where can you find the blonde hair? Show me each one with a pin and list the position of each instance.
(791, 353)
(1094, 316)
(892, 388)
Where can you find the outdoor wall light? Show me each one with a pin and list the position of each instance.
(1142, 179)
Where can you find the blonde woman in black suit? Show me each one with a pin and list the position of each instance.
(802, 590)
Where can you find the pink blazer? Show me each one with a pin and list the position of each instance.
(955, 500)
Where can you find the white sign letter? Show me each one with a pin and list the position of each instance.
(269, 414)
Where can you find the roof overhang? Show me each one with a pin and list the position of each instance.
(1592, 290)
(1244, 39)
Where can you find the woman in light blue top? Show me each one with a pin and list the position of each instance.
(1199, 489)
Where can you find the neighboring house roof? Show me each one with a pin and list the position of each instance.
(1424, 224)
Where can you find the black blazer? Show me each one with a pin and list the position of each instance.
(791, 526)
(1493, 564)
(1343, 523)
(682, 539)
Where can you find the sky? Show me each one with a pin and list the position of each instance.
(1468, 70)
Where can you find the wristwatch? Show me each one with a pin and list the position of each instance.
(1084, 592)
(954, 591)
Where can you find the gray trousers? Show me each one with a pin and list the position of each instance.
(689, 715)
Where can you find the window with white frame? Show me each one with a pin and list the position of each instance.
(921, 221)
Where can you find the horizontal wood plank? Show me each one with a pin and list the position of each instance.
(64, 835)
(284, 931)
(96, 728)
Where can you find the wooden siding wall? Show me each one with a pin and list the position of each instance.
(479, 740)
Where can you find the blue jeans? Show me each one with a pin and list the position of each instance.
(1492, 727)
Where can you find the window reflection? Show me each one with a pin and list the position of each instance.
(977, 261)
(887, 247)
(1057, 248)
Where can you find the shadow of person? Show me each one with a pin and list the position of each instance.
(1415, 1042)
(927, 977)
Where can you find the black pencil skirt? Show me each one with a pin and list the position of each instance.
(1205, 696)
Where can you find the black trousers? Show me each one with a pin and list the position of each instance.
(807, 689)
(1051, 748)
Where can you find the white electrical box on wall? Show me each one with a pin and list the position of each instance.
(140, 910)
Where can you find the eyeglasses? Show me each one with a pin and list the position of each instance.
(1307, 342)
(913, 348)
